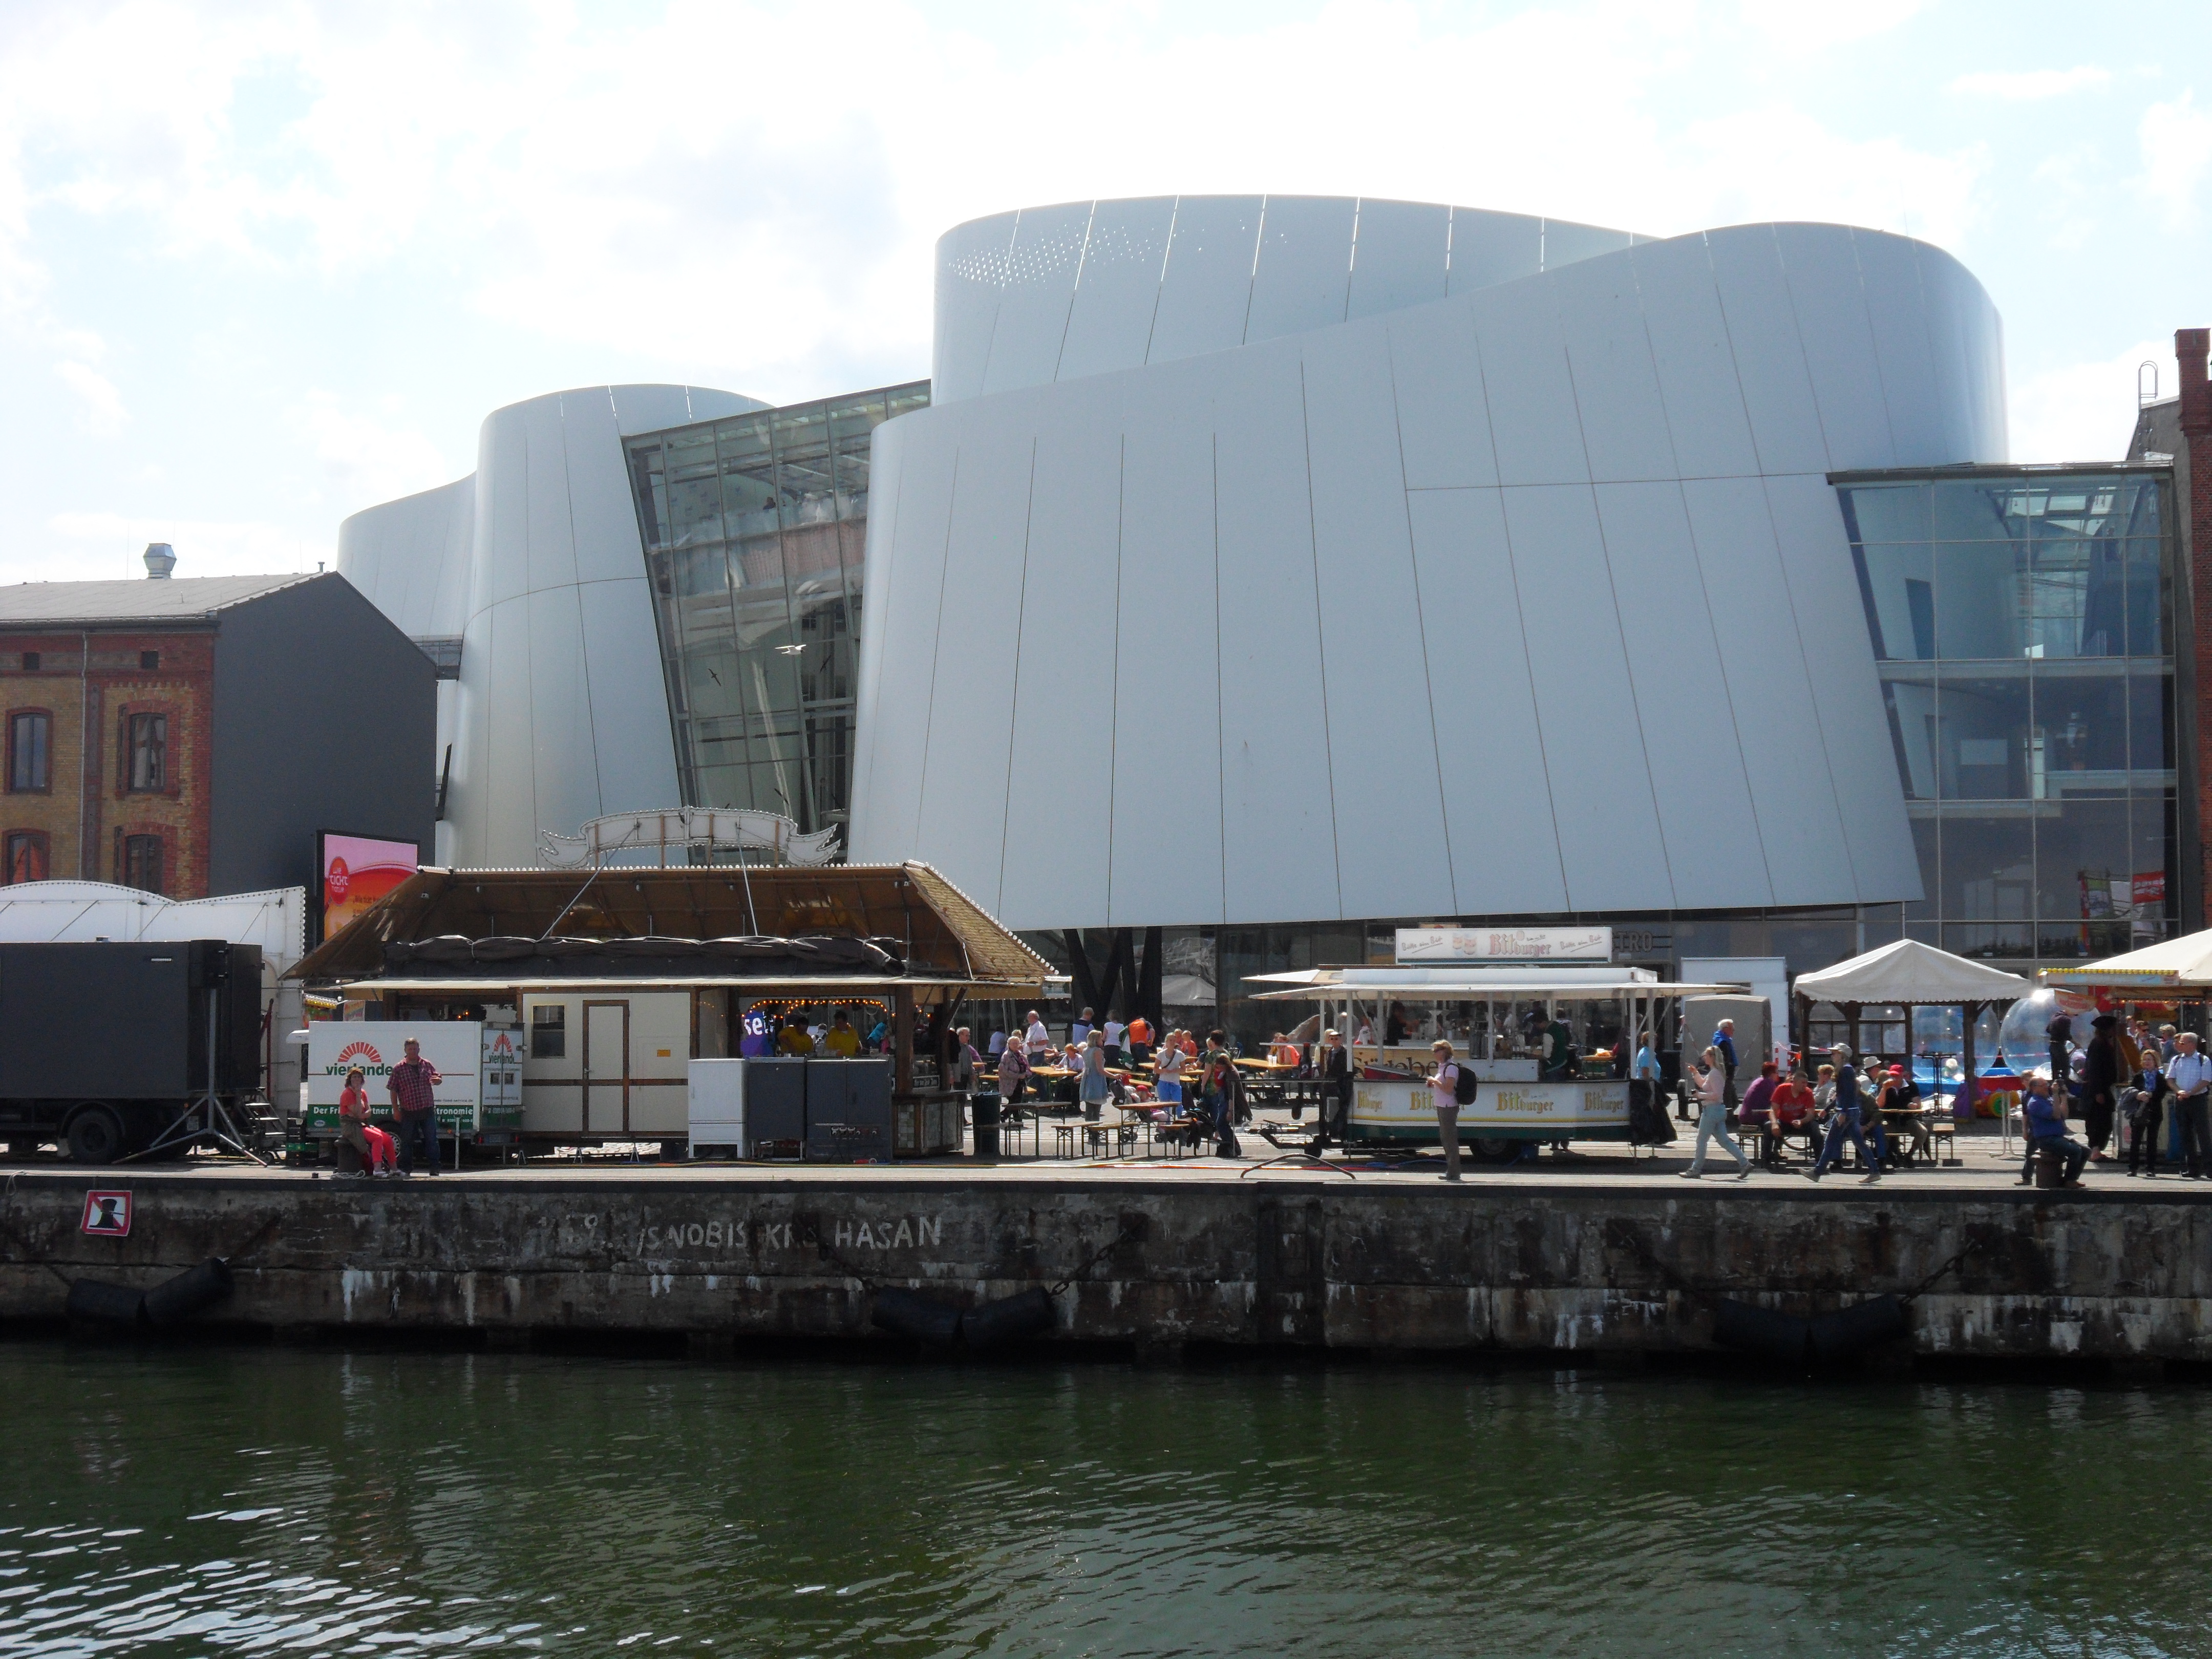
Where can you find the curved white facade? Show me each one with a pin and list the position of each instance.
(1529, 598)
(534, 563)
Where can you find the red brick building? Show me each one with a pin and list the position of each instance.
(190, 737)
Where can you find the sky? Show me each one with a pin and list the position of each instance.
(263, 264)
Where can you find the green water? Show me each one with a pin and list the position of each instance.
(233, 1501)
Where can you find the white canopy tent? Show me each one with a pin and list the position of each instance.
(1910, 973)
(2182, 965)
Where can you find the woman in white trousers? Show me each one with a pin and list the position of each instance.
(1712, 1117)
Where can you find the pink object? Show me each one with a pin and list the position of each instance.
(383, 1149)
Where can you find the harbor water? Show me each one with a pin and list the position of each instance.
(215, 1501)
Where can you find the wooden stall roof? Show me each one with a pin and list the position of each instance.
(949, 937)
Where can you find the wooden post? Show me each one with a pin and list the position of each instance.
(1972, 1012)
(901, 1040)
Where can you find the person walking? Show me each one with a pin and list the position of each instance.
(1014, 1075)
(2100, 1086)
(1095, 1085)
(2046, 1130)
(1222, 1089)
(965, 1061)
(2191, 1075)
(1444, 1089)
(1711, 1076)
(1844, 1121)
(413, 1085)
(1724, 1040)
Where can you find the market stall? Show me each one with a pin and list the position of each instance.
(1910, 974)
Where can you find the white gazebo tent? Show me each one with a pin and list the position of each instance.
(2178, 965)
(1912, 975)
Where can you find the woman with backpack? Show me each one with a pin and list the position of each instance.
(1444, 1089)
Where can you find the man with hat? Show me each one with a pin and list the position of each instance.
(2100, 1084)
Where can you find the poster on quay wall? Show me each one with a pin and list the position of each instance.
(356, 872)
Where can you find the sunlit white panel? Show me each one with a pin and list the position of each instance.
(1770, 359)
(1830, 304)
(1567, 243)
(912, 591)
(1586, 713)
(656, 408)
(450, 598)
(886, 473)
(637, 748)
(1389, 813)
(971, 270)
(1110, 322)
(1498, 802)
(475, 773)
(1277, 751)
(1399, 260)
(510, 807)
(1854, 727)
(1524, 362)
(970, 718)
(1056, 820)
(603, 516)
(1712, 823)
(1770, 672)
(550, 557)
(1443, 413)
(1949, 329)
(1207, 290)
(1624, 420)
(563, 756)
(1490, 248)
(1905, 346)
(1705, 418)
(1032, 319)
(1304, 267)
(502, 536)
(1167, 701)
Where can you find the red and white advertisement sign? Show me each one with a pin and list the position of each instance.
(2149, 888)
(107, 1215)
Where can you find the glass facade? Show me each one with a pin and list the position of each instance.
(2022, 622)
(754, 529)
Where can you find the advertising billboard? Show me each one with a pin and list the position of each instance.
(455, 1047)
(1426, 946)
(356, 871)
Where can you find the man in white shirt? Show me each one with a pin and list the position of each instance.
(1037, 1039)
(1115, 1030)
(2189, 1075)
(1444, 1089)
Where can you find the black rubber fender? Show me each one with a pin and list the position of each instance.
(1012, 1319)
(1762, 1331)
(99, 1303)
(1849, 1332)
(910, 1314)
(175, 1300)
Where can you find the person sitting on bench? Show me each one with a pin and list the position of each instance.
(2046, 1133)
(379, 1152)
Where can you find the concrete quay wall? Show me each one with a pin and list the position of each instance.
(1281, 1262)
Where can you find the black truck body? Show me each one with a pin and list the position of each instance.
(104, 1045)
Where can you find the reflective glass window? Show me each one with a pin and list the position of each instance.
(2080, 745)
(1985, 727)
(1980, 610)
(1989, 867)
(1909, 696)
(2150, 723)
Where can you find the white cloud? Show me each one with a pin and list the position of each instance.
(2085, 411)
(2026, 85)
(1803, 26)
(2177, 148)
(364, 460)
(102, 414)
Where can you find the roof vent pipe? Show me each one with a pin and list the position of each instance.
(161, 560)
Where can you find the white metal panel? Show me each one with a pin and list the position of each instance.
(1831, 307)
(1497, 800)
(1206, 290)
(1389, 796)
(1624, 420)
(1853, 724)
(1110, 322)
(971, 270)
(1601, 796)
(912, 591)
(1054, 821)
(1490, 248)
(656, 408)
(549, 553)
(886, 470)
(510, 797)
(564, 758)
(1167, 700)
(1950, 328)
(1567, 243)
(1770, 358)
(1443, 415)
(637, 748)
(1903, 344)
(502, 533)
(468, 794)
(1710, 818)
(1032, 319)
(1398, 256)
(603, 519)
(449, 604)
(1304, 267)
(1278, 757)
(1770, 673)
(1696, 365)
(1524, 366)
(971, 704)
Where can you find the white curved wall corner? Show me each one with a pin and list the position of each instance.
(1052, 293)
(1532, 598)
(561, 713)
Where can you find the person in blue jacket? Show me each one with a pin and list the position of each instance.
(2047, 1130)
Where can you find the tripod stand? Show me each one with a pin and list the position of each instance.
(207, 1117)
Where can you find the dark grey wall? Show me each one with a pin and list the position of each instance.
(325, 718)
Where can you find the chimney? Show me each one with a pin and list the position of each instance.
(2190, 347)
(161, 558)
